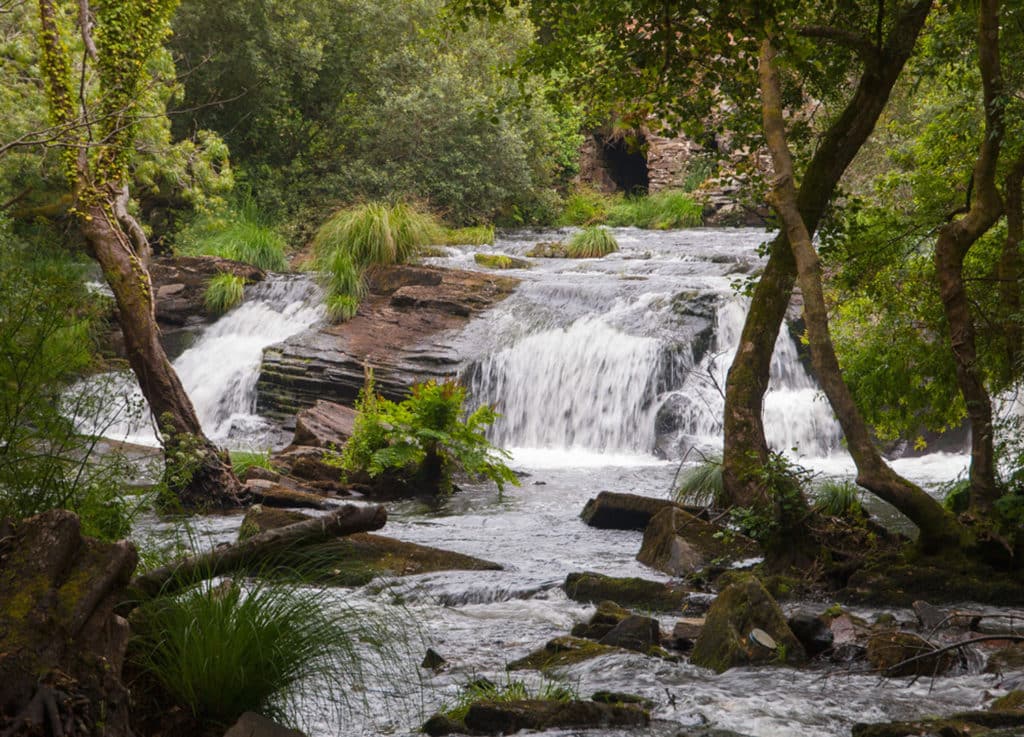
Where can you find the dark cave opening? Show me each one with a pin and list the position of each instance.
(626, 163)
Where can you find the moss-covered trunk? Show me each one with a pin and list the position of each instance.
(745, 447)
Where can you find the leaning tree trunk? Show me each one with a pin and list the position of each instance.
(199, 473)
(936, 525)
(955, 240)
(745, 447)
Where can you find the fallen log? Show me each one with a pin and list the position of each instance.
(187, 571)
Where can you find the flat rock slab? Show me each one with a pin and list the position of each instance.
(324, 425)
(638, 593)
(273, 494)
(403, 329)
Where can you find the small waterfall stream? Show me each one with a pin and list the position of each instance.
(219, 371)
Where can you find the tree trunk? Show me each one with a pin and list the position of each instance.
(1011, 271)
(183, 573)
(745, 446)
(200, 474)
(955, 240)
(937, 526)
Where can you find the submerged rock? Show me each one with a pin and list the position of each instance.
(813, 632)
(677, 543)
(509, 717)
(634, 633)
(500, 261)
(607, 616)
(562, 651)
(888, 651)
(725, 640)
(628, 592)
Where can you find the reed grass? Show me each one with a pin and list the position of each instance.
(592, 242)
(701, 485)
(224, 292)
(240, 234)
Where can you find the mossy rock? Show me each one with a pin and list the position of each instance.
(549, 249)
(1013, 701)
(508, 717)
(995, 723)
(678, 543)
(500, 261)
(725, 640)
(260, 519)
(607, 616)
(636, 593)
(561, 652)
(1005, 659)
(611, 510)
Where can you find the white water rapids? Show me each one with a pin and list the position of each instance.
(596, 366)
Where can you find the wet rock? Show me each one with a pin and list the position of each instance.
(259, 472)
(1010, 658)
(725, 641)
(933, 617)
(617, 697)
(628, 592)
(549, 249)
(307, 462)
(507, 718)
(442, 724)
(895, 582)
(677, 543)
(685, 633)
(607, 616)
(324, 425)
(995, 723)
(180, 286)
(888, 651)
(433, 660)
(709, 732)
(401, 330)
(611, 510)
(560, 652)
(1013, 701)
(274, 494)
(634, 633)
(812, 631)
(251, 724)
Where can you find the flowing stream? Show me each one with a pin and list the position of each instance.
(606, 372)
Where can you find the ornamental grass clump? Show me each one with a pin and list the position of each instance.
(657, 211)
(366, 235)
(702, 484)
(224, 292)
(240, 234)
(838, 499)
(592, 242)
(287, 652)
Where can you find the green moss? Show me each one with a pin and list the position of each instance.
(638, 593)
(500, 261)
(479, 235)
(561, 652)
(549, 249)
(1012, 701)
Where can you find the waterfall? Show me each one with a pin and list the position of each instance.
(220, 370)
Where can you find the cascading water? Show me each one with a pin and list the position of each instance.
(630, 354)
(220, 370)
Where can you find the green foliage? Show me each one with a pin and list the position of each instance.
(785, 506)
(482, 689)
(838, 499)
(219, 651)
(47, 324)
(701, 485)
(423, 438)
(592, 242)
(477, 235)
(364, 235)
(585, 207)
(224, 292)
(243, 460)
(240, 233)
(658, 211)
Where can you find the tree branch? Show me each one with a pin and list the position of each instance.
(862, 45)
(85, 24)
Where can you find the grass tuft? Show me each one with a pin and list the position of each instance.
(223, 292)
(240, 234)
(585, 207)
(592, 242)
(838, 499)
(479, 235)
(243, 460)
(701, 485)
(659, 211)
(513, 690)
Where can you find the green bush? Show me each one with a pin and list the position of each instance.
(423, 439)
(50, 419)
(240, 234)
(838, 499)
(585, 207)
(592, 242)
(219, 651)
(224, 292)
(701, 485)
(378, 233)
(658, 211)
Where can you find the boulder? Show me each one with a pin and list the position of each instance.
(628, 592)
(618, 697)
(888, 651)
(608, 615)
(308, 463)
(634, 633)
(685, 633)
(401, 330)
(813, 632)
(251, 724)
(500, 261)
(260, 519)
(560, 652)
(728, 638)
(324, 425)
(274, 494)
(1009, 658)
(611, 510)
(678, 543)
(513, 716)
